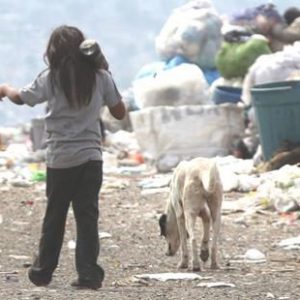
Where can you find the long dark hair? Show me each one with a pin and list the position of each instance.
(69, 69)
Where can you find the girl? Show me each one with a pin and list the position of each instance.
(76, 85)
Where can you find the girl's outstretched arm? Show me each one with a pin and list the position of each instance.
(11, 93)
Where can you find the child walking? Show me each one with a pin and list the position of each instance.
(75, 86)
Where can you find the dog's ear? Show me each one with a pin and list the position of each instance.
(162, 224)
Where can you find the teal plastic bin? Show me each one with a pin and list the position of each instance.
(277, 110)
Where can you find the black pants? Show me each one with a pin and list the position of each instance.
(80, 186)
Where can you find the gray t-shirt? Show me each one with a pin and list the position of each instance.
(73, 136)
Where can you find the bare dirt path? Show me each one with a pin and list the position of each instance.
(135, 247)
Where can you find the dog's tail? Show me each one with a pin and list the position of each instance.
(211, 178)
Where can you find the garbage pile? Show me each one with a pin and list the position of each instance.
(173, 94)
(207, 66)
(179, 107)
(22, 163)
(279, 66)
(276, 190)
(19, 165)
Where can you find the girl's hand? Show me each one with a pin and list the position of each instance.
(2, 91)
(10, 92)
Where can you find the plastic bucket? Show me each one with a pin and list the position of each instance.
(226, 94)
(277, 110)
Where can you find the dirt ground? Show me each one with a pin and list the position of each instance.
(135, 247)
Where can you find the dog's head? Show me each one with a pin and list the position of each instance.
(169, 229)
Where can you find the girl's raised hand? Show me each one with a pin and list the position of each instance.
(12, 93)
(2, 91)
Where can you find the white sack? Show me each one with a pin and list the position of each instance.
(170, 134)
(184, 84)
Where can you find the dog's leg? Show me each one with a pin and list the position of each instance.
(190, 224)
(205, 216)
(184, 259)
(215, 209)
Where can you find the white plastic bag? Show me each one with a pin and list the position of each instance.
(181, 85)
(194, 31)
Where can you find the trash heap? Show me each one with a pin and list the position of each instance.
(275, 67)
(173, 96)
(177, 108)
(207, 67)
(277, 190)
(255, 55)
(19, 165)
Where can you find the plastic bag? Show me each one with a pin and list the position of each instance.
(194, 31)
(234, 59)
(181, 85)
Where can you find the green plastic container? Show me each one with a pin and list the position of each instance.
(277, 110)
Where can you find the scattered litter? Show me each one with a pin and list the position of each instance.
(280, 189)
(20, 223)
(229, 180)
(251, 256)
(12, 277)
(234, 206)
(4, 188)
(39, 176)
(139, 281)
(285, 270)
(171, 276)
(20, 183)
(104, 235)
(150, 192)
(286, 205)
(113, 247)
(8, 272)
(155, 182)
(1, 219)
(123, 140)
(19, 257)
(254, 255)
(270, 296)
(289, 218)
(290, 244)
(136, 170)
(216, 284)
(27, 202)
(136, 265)
(110, 184)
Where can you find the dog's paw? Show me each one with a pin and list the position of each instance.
(214, 266)
(195, 268)
(204, 255)
(182, 265)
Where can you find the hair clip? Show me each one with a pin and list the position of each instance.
(89, 47)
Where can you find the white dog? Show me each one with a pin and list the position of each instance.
(195, 190)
